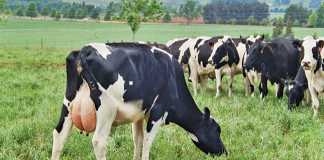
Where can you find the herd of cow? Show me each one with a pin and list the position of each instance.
(117, 83)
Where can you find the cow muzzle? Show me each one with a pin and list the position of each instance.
(306, 65)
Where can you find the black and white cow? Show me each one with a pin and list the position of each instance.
(128, 83)
(201, 50)
(277, 61)
(314, 69)
(297, 92)
(251, 76)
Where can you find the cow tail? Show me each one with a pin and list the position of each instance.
(87, 75)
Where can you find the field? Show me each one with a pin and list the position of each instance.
(32, 78)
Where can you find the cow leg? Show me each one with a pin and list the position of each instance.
(263, 87)
(247, 85)
(138, 135)
(280, 90)
(315, 101)
(194, 77)
(61, 133)
(153, 126)
(106, 115)
(230, 90)
(218, 74)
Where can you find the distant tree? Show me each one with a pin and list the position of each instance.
(53, 14)
(20, 12)
(45, 11)
(58, 16)
(95, 13)
(2, 5)
(108, 16)
(190, 10)
(312, 20)
(72, 13)
(167, 17)
(251, 20)
(81, 13)
(31, 10)
(297, 12)
(278, 29)
(289, 31)
(218, 11)
(136, 11)
(320, 14)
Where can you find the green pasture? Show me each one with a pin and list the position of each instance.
(32, 86)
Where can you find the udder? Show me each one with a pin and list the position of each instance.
(83, 110)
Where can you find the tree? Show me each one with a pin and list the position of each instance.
(108, 15)
(20, 12)
(312, 20)
(95, 13)
(136, 11)
(190, 10)
(2, 5)
(53, 14)
(31, 10)
(45, 11)
(320, 14)
(278, 29)
(297, 12)
(289, 31)
(58, 16)
(167, 17)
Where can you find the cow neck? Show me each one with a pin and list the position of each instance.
(188, 116)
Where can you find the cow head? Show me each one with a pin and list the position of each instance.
(296, 95)
(207, 136)
(312, 59)
(226, 53)
(258, 51)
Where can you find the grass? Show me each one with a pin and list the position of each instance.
(32, 85)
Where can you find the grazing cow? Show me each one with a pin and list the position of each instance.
(300, 85)
(277, 61)
(314, 69)
(120, 83)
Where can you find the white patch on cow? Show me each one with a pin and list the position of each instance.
(126, 112)
(216, 46)
(193, 137)
(66, 102)
(224, 59)
(131, 83)
(169, 43)
(102, 49)
(161, 50)
(60, 138)
(185, 46)
(308, 44)
(149, 136)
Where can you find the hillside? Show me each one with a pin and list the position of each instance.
(272, 3)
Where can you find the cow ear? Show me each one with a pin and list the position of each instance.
(262, 37)
(207, 113)
(320, 44)
(211, 44)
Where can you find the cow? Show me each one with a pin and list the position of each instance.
(277, 61)
(226, 59)
(314, 69)
(120, 83)
(202, 51)
(251, 76)
(297, 92)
